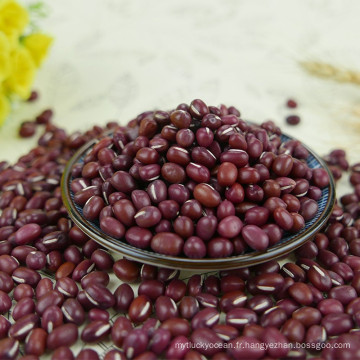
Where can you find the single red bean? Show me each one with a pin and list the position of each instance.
(121, 328)
(140, 309)
(35, 343)
(64, 335)
(22, 327)
(95, 331)
(126, 270)
(9, 348)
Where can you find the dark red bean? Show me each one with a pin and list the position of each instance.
(205, 318)
(173, 173)
(140, 309)
(23, 275)
(86, 354)
(194, 248)
(167, 243)
(198, 173)
(308, 316)
(301, 293)
(6, 282)
(51, 318)
(233, 299)
(178, 348)
(288, 305)
(294, 330)
(188, 307)
(268, 283)
(235, 193)
(283, 218)
(232, 283)
(219, 248)
(176, 326)
(176, 289)
(330, 306)
(23, 307)
(121, 328)
(124, 295)
(138, 237)
(19, 254)
(102, 259)
(227, 174)
(282, 165)
(308, 209)
(148, 216)
(52, 297)
(239, 317)
(112, 227)
(9, 349)
(320, 278)
(206, 227)
(36, 260)
(98, 314)
(344, 293)
(64, 335)
(99, 277)
(293, 271)
(73, 311)
(135, 343)
(82, 269)
(5, 302)
(336, 324)
(165, 308)
(22, 291)
(95, 331)
(207, 195)
(122, 181)
(27, 234)
(160, 340)
(100, 296)
(259, 303)
(43, 287)
(273, 317)
(255, 237)
(151, 288)
(114, 355)
(35, 343)
(124, 211)
(22, 327)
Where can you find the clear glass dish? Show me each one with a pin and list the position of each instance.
(287, 244)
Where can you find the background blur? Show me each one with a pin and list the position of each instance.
(113, 59)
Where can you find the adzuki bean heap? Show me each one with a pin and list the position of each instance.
(312, 300)
(195, 182)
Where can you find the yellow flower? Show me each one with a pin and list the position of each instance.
(4, 56)
(13, 19)
(38, 45)
(4, 108)
(22, 72)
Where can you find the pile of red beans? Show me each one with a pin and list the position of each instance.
(198, 182)
(55, 282)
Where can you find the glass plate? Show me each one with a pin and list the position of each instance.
(287, 244)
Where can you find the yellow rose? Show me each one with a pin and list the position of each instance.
(38, 45)
(4, 108)
(22, 72)
(13, 18)
(4, 56)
